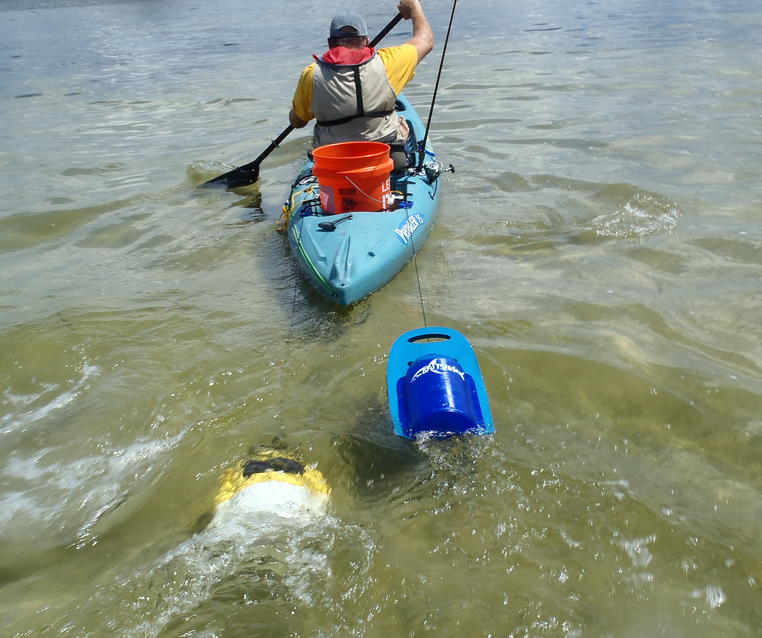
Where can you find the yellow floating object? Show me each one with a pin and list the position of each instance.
(270, 465)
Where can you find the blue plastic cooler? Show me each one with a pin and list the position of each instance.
(435, 386)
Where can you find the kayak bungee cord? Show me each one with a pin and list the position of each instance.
(436, 88)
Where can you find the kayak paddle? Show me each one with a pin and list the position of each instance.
(249, 173)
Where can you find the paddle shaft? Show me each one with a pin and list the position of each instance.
(273, 145)
(382, 34)
(249, 173)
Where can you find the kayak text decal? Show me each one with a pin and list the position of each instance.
(408, 227)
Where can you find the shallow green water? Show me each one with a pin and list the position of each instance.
(600, 244)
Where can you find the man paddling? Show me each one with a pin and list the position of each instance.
(351, 89)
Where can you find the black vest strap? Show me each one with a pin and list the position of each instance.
(344, 120)
(358, 91)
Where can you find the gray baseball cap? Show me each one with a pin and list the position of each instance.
(348, 19)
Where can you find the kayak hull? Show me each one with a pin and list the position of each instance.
(365, 249)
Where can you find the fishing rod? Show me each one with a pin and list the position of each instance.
(422, 154)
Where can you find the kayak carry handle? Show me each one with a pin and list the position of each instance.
(331, 226)
(434, 336)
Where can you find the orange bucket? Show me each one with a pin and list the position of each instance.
(353, 176)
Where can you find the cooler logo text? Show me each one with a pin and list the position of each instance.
(438, 368)
(406, 230)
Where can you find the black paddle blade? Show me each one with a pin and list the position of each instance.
(237, 178)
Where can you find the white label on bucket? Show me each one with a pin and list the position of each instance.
(408, 227)
(326, 199)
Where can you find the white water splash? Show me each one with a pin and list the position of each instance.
(712, 594)
(62, 501)
(272, 523)
(17, 418)
(276, 499)
(643, 215)
(638, 551)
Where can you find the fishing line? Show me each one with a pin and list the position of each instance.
(418, 279)
(422, 155)
(436, 88)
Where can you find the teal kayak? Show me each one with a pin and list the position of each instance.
(348, 256)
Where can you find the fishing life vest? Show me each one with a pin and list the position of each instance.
(353, 100)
